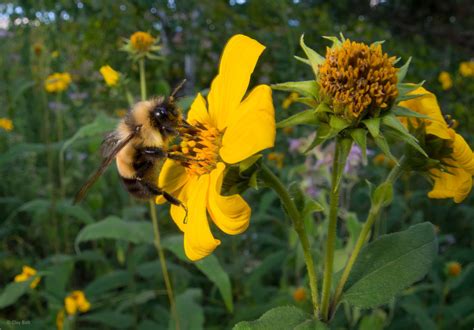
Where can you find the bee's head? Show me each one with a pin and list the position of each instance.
(166, 117)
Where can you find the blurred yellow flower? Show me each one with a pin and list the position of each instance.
(288, 130)
(6, 124)
(445, 80)
(60, 320)
(226, 130)
(55, 54)
(142, 41)
(110, 76)
(453, 268)
(299, 294)
(57, 82)
(76, 301)
(289, 100)
(382, 160)
(277, 158)
(455, 180)
(121, 112)
(26, 274)
(466, 69)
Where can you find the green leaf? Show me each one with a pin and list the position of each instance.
(100, 125)
(311, 325)
(310, 207)
(13, 291)
(210, 266)
(190, 311)
(108, 282)
(360, 138)
(405, 112)
(401, 132)
(314, 58)
(374, 321)
(113, 227)
(383, 145)
(390, 264)
(307, 117)
(383, 194)
(402, 72)
(110, 319)
(306, 88)
(286, 317)
(373, 125)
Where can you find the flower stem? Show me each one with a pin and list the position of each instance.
(273, 182)
(141, 64)
(373, 215)
(331, 236)
(164, 268)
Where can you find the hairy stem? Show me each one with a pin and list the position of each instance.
(273, 182)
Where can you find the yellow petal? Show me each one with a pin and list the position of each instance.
(228, 88)
(456, 185)
(198, 111)
(178, 213)
(252, 129)
(428, 105)
(172, 177)
(70, 305)
(198, 239)
(230, 213)
(462, 154)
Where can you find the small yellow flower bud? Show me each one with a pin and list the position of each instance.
(299, 294)
(453, 268)
(142, 41)
(6, 124)
(445, 80)
(110, 76)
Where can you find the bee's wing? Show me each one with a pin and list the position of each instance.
(110, 148)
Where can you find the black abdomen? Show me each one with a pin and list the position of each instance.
(140, 188)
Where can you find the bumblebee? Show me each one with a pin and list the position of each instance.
(140, 145)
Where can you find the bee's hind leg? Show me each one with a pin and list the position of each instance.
(176, 202)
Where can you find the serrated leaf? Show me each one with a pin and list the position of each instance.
(405, 112)
(13, 292)
(390, 264)
(210, 266)
(360, 138)
(373, 125)
(402, 72)
(306, 88)
(286, 317)
(190, 311)
(307, 117)
(113, 227)
(314, 58)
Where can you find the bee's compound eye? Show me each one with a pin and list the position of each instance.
(160, 112)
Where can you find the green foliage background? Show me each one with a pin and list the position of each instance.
(122, 277)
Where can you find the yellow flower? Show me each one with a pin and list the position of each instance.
(358, 79)
(289, 100)
(454, 180)
(6, 124)
(382, 160)
(26, 274)
(226, 130)
(445, 80)
(299, 294)
(453, 268)
(110, 76)
(142, 41)
(55, 54)
(57, 82)
(276, 157)
(60, 320)
(466, 69)
(76, 301)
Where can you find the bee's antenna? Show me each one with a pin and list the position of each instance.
(177, 88)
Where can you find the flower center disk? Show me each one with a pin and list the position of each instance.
(199, 148)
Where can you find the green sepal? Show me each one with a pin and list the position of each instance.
(401, 132)
(407, 97)
(324, 132)
(338, 124)
(306, 88)
(253, 181)
(375, 43)
(359, 135)
(404, 89)
(405, 112)
(314, 58)
(383, 145)
(309, 101)
(383, 195)
(373, 125)
(402, 72)
(322, 108)
(335, 41)
(304, 60)
(247, 163)
(307, 117)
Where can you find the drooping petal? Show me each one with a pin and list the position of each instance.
(178, 213)
(172, 177)
(463, 154)
(198, 239)
(230, 213)
(456, 185)
(238, 61)
(198, 111)
(252, 128)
